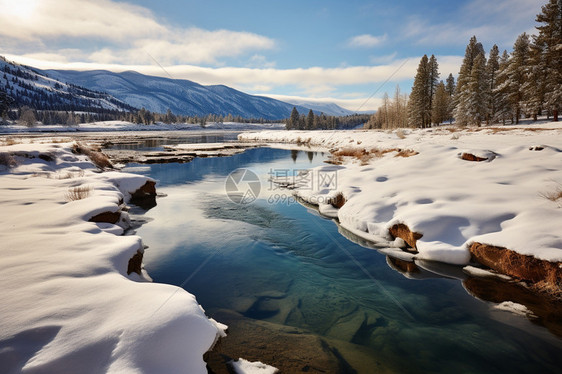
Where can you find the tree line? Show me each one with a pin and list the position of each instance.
(313, 121)
(524, 83)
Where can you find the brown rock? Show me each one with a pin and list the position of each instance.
(107, 217)
(147, 189)
(403, 232)
(289, 349)
(524, 267)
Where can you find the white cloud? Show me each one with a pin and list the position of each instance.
(129, 34)
(366, 41)
(493, 22)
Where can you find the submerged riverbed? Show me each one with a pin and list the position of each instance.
(300, 296)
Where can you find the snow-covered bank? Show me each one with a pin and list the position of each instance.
(68, 304)
(128, 126)
(452, 202)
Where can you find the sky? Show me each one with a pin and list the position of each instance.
(349, 52)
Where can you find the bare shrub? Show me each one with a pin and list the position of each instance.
(555, 195)
(78, 193)
(10, 141)
(7, 160)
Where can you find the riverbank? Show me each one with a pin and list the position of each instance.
(489, 195)
(74, 298)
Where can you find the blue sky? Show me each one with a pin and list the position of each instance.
(339, 51)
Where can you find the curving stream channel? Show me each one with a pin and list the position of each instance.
(301, 294)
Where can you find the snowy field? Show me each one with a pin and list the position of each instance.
(68, 304)
(508, 199)
(128, 126)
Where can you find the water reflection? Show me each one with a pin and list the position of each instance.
(266, 265)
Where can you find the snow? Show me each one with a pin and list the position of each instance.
(484, 273)
(452, 202)
(68, 304)
(128, 126)
(515, 308)
(242, 366)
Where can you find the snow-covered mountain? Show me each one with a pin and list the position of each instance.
(181, 96)
(32, 87)
(330, 109)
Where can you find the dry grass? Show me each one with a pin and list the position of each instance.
(555, 195)
(7, 160)
(78, 193)
(10, 141)
(301, 141)
(95, 155)
(364, 155)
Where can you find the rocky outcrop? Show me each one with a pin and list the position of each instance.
(403, 232)
(543, 274)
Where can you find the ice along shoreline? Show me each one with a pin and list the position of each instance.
(489, 195)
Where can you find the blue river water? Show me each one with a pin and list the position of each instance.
(278, 261)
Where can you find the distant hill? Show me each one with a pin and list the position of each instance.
(330, 109)
(181, 96)
(32, 87)
(101, 91)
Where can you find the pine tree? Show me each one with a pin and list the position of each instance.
(310, 120)
(473, 49)
(517, 74)
(534, 88)
(418, 115)
(550, 39)
(504, 109)
(432, 83)
(293, 121)
(476, 93)
(450, 87)
(440, 109)
(492, 68)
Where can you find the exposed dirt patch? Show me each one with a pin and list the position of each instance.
(135, 263)
(545, 276)
(403, 232)
(107, 217)
(338, 201)
(470, 157)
